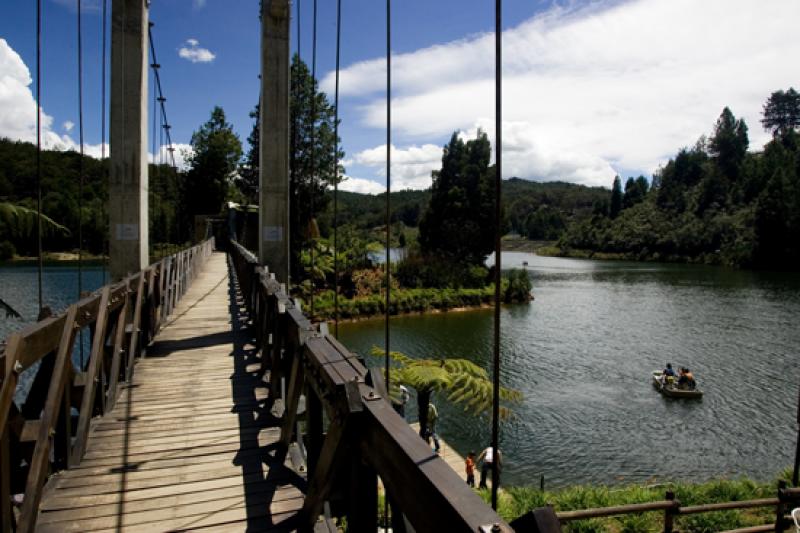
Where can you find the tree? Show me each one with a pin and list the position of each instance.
(616, 198)
(216, 151)
(782, 112)
(728, 145)
(466, 384)
(458, 224)
(311, 159)
(247, 181)
(635, 191)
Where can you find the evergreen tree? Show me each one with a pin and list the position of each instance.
(616, 198)
(458, 224)
(247, 181)
(311, 158)
(216, 151)
(782, 112)
(729, 143)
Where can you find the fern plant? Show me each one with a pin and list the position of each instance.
(465, 383)
(19, 222)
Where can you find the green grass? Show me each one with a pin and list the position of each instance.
(403, 301)
(516, 501)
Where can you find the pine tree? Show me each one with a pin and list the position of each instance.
(216, 151)
(616, 198)
(458, 224)
(782, 112)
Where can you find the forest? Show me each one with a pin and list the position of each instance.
(716, 202)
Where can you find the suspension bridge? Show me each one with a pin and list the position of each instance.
(208, 400)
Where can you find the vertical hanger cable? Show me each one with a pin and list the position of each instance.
(498, 178)
(336, 175)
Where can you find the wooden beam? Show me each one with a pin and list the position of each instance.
(428, 491)
(38, 467)
(116, 356)
(90, 389)
(135, 334)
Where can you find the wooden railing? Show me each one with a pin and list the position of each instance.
(365, 438)
(549, 521)
(42, 436)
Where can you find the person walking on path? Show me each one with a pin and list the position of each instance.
(405, 396)
(470, 467)
(433, 416)
(487, 456)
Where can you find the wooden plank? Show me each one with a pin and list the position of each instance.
(38, 468)
(9, 379)
(137, 323)
(429, 493)
(89, 519)
(116, 357)
(6, 511)
(89, 391)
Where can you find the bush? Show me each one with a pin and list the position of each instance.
(518, 288)
(7, 251)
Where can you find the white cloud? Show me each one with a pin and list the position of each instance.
(68, 125)
(361, 185)
(195, 53)
(411, 167)
(593, 88)
(198, 4)
(18, 107)
(182, 153)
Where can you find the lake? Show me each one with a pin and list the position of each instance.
(582, 354)
(19, 289)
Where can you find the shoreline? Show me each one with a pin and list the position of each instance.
(433, 311)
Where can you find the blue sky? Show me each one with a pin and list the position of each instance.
(592, 89)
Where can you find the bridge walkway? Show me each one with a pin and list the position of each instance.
(189, 444)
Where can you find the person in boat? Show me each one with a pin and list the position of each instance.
(668, 375)
(686, 379)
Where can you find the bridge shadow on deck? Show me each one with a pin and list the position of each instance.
(263, 502)
(170, 457)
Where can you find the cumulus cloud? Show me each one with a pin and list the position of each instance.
(411, 167)
(68, 125)
(195, 53)
(361, 185)
(18, 107)
(593, 88)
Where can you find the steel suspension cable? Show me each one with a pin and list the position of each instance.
(312, 222)
(39, 150)
(80, 170)
(498, 124)
(388, 261)
(336, 175)
(103, 131)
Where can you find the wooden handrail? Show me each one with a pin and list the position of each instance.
(366, 438)
(127, 315)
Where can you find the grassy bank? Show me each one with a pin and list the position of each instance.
(403, 301)
(516, 501)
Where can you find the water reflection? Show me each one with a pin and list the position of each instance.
(583, 351)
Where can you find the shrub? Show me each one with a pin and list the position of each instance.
(7, 251)
(518, 288)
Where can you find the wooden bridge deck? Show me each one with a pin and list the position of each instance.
(189, 444)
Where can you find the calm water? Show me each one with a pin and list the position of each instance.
(19, 289)
(582, 354)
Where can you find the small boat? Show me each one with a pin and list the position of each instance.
(672, 390)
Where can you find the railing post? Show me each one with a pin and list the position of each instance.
(6, 511)
(780, 509)
(669, 513)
